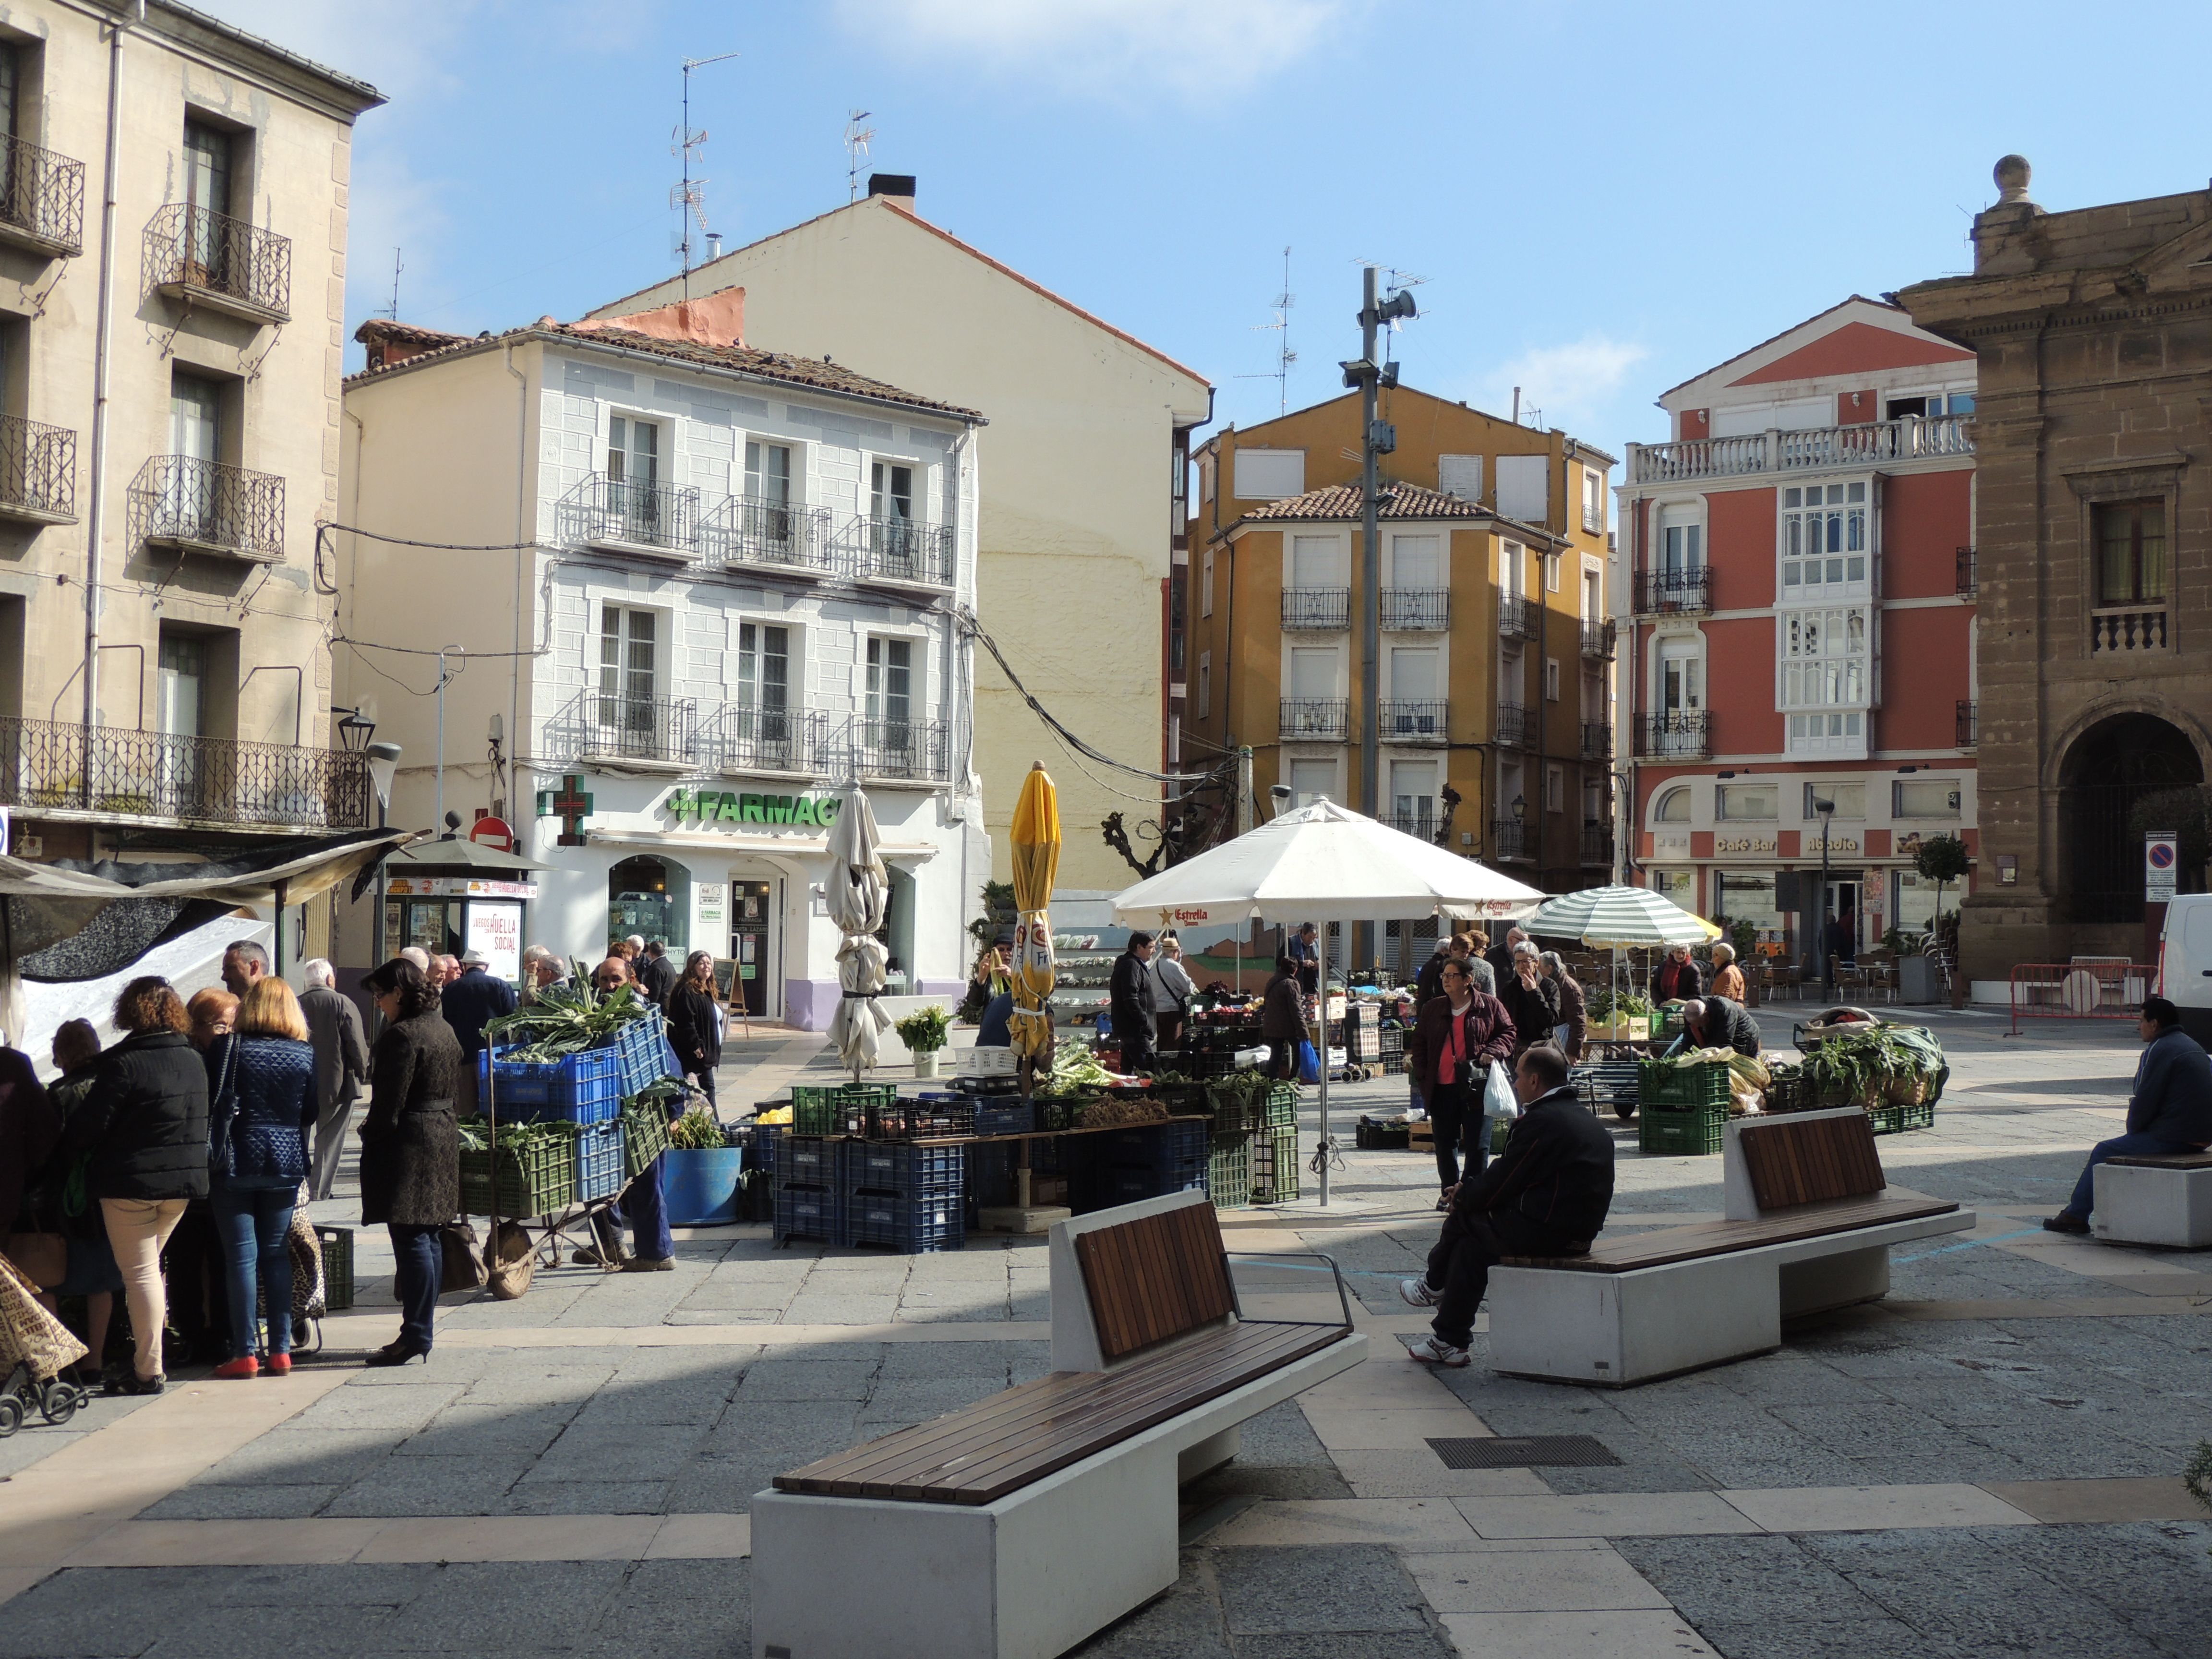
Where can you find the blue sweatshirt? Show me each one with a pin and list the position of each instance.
(2173, 1097)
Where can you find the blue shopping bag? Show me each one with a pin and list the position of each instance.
(1308, 1063)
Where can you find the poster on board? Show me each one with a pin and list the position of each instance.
(496, 930)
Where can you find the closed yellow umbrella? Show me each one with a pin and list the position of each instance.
(1036, 862)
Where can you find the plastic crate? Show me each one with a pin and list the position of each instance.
(808, 1212)
(913, 1225)
(1062, 1114)
(641, 1046)
(645, 1136)
(1671, 1132)
(538, 1178)
(598, 1162)
(838, 1110)
(1896, 1120)
(1229, 1172)
(579, 1088)
(810, 1161)
(767, 1139)
(1790, 1094)
(921, 1120)
(337, 1245)
(1149, 1145)
(1678, 1088)
(1275, 1165)
(995, 1116)
(899, 1166)
(1277, 1109)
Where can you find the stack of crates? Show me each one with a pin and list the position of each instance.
(910, 1195)
(809, 1188)
(1148, 1160)
(1275, 1164)
(844, 1109)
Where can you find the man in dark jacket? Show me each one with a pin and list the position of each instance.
(1500, 955)
(469, 1001)
(1283, 1021)
(1548, 1194)
(1717, 1022)
(1129, 1002)
(2169, 1108)
(657, 974)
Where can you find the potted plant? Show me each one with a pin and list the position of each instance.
(701, 1177)
(925, 1031)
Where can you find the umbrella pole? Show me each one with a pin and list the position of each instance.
(1320, 1011)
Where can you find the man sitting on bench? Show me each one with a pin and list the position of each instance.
(1546, 1194)
(2169, 1110)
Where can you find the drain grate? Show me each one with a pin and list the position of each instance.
(1531, 1451)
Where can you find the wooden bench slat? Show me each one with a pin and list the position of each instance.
(1704, 1238)
(2168, 1161)
(1154, 1278)
(1793, 1161)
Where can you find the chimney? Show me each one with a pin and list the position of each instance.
(714, 245)
(895, 187)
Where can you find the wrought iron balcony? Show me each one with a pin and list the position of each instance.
(741, 739)
(1422, 826)
(1320, 608)
(180, 779)
(1662, 593)
(1677, 734)
(41, 200)
(211, 259)
(1967, 582)
(916, 750)
(770, 535)
(1517, 618)
(1509, 838)
(612, 727)
(38, 472)
(204, 507)
(899, 551)
(1813, 449)
(1597, 844)
(1314, 718)
(630, 515)
(1517, 726)
(1598, 638)
(1423, 719)
(1410, 609)
(1597, 740)
(1968, 731)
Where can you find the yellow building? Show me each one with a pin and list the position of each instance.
(1494, 726)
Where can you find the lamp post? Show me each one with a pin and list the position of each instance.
(1520, 809)
(383, 768)
(1827, 808)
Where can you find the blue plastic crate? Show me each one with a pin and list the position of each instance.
(765, 1138)
(1014, 1117)
(598, 1161)
(902, 1166)
(913, 1225)
(580, 1088)
(809, 1160)
(1153, 1145)
(642, 1050)
(809, 1212)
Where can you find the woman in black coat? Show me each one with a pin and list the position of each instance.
(411, 1178)
(694, 1028)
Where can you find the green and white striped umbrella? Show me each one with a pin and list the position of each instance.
(1635, 917)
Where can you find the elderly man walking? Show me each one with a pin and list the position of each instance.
(341, 1067)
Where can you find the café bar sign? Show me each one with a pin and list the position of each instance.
(727, 806)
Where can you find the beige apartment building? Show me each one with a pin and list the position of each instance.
(173, 225)
(1082, 512)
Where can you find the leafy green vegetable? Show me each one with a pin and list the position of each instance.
(698, 1131)
(1875, 1065)
(567, 1018)
(470, 1132)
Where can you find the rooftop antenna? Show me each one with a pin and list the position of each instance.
(689, 198)
(856, 151)
(1280, 374)
(395, 268)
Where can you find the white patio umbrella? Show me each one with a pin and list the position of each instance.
(858, 888)
(1322, 863)
(1634, 917)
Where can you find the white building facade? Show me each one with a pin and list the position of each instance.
(736, 591)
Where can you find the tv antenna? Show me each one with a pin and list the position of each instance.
(856, 151)
(395, 268)
(1280, 374)
(689, 197)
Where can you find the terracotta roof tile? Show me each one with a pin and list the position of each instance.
(1397, 500)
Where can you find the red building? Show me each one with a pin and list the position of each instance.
(1803, 624)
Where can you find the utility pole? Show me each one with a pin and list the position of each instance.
(1244, 790)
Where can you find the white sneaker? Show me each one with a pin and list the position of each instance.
(1435, 1350)
(1415, 1292)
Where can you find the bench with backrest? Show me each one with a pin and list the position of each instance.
(1807, 1226)
(2155, 1200)
(1021, 1525)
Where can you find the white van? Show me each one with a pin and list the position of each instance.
(2185, 963)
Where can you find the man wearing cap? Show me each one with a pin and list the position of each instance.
(469, 1000)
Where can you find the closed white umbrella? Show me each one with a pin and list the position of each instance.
(1323, 863)
(860, 886)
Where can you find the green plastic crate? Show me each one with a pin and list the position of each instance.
(645, 1136)
(1229, 1171)
(538, 1178)
(1896, 1120)
(1275, 1165)
(1276, 1108)
(1663, 1084)
(337, 1245)
(1669, 1132)
(841, 1109)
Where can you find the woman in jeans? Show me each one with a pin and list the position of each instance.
(1455, 1035)
(410, 1175)
(144, 1122)
(263, 1097)
(695, 1024)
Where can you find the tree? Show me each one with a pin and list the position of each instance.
(1942, 859)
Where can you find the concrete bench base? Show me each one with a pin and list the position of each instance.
(2143, 1204)
(1027, 1577)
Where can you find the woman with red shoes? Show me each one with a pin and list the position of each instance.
(261, 1087)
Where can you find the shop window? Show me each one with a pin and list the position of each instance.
(1747, 895)
(1849, 799)
(1925, 798)
(650, 898)
(1738, 803)
(1678, 887)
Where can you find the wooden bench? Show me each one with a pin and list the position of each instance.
(2156, 1200)
(1023, 1524)
(1809, 1223)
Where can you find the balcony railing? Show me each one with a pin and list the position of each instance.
(1659, 592)
(38, 472)
(1967, 582)
(1597, 844)
(213, 259)
(41, 199)
(158, 774)
(777, 535)
(1414, 720)
(204, 507)
(1420, 825)
(1598, 639)
(1314, 718)
(739, 739)
(918, 750)
(2128, 629)
(614, 727)
(1814, 449)
(1679, 733)
(1325, 608)
(1969, 724)
(1509, 838)
(632, 515)
(1517, 726)
(1517, 617)
(1597, 740)
(1422, 609)
(900, 550)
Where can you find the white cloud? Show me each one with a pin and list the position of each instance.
(398, 46)
(1572, 384)
(1119, 46)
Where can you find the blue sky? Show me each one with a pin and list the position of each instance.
(1603, 199)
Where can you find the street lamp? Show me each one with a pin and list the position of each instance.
(1827, 808)
(383, 767)
(355, 731)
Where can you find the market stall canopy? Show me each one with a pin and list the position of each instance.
(1323, 863)
(1633, 917)
(1036, 867)
(456, 855)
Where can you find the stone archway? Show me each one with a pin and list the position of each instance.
(2106, 770)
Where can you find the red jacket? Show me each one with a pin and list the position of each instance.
(1490, 1036)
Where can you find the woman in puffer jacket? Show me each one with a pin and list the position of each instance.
(261, 1089)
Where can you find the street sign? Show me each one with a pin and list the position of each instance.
(2161, 864)
(494, 833)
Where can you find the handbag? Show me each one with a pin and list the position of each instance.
(223, 1112)
(1309, 1062)
(514, 1261)
(42, 1258)
(462, 1267)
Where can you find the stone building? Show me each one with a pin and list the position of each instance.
(2093, 329)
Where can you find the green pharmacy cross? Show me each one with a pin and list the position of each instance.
(571, 805)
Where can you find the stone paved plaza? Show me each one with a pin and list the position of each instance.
(1986, 1464)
